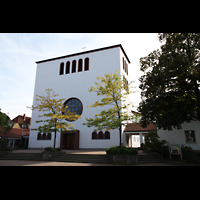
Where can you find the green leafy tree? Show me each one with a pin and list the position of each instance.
(114, 92)
(6, 125)
(54, 114)
(171, 81)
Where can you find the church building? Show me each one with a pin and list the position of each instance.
(71, 77)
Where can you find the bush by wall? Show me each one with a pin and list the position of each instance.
(121, 150)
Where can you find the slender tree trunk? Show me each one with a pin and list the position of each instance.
(54, 136)
(120, 129)
(120, 133)
(54, 140)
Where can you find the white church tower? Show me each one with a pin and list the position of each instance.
(71, 77)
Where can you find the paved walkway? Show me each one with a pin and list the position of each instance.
(46, 163)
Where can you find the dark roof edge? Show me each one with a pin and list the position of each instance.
(90, 51)
(135, 131)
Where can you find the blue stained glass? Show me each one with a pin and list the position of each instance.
(74, 105)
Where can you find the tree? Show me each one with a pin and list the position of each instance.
(6, 125)
(171, 81)
(114, 91)
(55, 114)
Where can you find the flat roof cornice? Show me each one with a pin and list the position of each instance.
(85, 52)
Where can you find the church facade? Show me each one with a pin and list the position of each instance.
(71, 77)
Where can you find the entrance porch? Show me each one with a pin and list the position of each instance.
(135, 139)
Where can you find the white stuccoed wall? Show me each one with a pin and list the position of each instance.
(178, 136)
(77, 85)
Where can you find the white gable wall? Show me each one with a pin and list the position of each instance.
(77, 85)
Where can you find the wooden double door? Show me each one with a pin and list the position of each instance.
(69, 141)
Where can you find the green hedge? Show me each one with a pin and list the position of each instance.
(121, 150)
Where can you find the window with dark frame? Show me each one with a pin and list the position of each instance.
(44, 136)
(100, 135)
(74, 106)
(49, 136)
(94, 135)
(73, 70)
(80, 65)
(86, 64)
(190, 136)
(61, 68)
(39, 136)
(73, 66)
(67, 67)
(107, 135)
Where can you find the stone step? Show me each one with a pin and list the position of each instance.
(149, 158)
(83, 158)
(77, 158)
(22, 156)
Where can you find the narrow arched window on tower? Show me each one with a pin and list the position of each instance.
(80, 65)
(67, 68)
(61, 68)
(86, 64)
(73, 66)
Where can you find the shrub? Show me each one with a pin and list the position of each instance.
(121, 150)
(52, 149)
(153, 144)
(48, 149)
(190, 155)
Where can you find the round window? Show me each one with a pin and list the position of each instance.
(74, 106)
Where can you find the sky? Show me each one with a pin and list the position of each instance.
(20, 51)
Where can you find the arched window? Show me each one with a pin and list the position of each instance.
(107, 135)
(73, 105)
(73, 66)
(61, 68)
(44, 136)
(39, 136)
(80, 65)
(86, 64)
(94, 135)
(67, 68)
(100, 135)
(123, 62)
(49, 136)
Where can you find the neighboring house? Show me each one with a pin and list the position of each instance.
(19, 135)
(15, 137)
(22, 121)
(71, 77)
(134, 134)
(189, 135)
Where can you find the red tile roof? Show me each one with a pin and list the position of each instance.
(134, 127)
(15, 133)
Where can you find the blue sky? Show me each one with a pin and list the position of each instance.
(20, 51)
